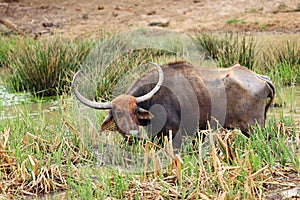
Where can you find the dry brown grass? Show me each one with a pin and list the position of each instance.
(29, 176)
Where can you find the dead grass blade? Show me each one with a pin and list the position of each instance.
(29, 177)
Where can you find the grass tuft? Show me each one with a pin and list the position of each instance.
(229, 49)
(45, 67)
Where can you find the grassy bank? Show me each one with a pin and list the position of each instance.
(46, 154)
(45, 66)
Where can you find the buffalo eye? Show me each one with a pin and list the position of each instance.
(119, 113)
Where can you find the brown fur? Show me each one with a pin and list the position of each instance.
(126, 114)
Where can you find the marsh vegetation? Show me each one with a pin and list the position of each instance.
(46, 153)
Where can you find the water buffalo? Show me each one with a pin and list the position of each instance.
(182, 98)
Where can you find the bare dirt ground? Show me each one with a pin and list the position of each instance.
(84, 18)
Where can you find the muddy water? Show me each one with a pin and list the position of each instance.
(12, 105)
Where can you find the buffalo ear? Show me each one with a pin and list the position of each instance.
(144, 114)
(108, 121)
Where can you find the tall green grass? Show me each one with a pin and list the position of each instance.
(6, 46)
(229, 49)
(282, 62)
(45, 66)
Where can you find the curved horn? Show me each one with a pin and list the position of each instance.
(84, 100)
(150, 94)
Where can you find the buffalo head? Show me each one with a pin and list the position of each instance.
(124, 109)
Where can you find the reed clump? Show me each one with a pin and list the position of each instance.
(44, 67)
(229, 49)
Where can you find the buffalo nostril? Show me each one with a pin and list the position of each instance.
(134, 133)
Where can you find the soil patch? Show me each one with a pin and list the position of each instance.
(85, 18)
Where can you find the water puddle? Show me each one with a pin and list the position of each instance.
(14, 104)
(9, 99)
